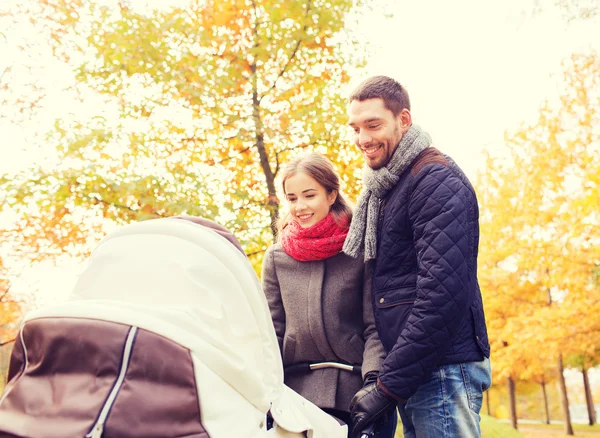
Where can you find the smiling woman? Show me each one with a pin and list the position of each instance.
(320, 298)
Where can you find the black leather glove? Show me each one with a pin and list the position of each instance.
(370, 377)
(368, 405)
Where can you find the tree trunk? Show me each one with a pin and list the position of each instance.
(487, 403)
(512, 402)
(546, 408)
(564, 398)
(272, 201)
(588, 397)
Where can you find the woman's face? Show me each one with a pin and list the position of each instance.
(308, 200)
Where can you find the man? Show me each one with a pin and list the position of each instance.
(417, 218)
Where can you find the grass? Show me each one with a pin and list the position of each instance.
(557, 430)
(490, 428)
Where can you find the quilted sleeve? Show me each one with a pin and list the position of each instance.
(438, 209)
(273, 293)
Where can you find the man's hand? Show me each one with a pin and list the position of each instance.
(368, 405)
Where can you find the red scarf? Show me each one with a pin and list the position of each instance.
(317, 242)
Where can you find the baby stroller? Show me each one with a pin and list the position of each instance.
(167, 333)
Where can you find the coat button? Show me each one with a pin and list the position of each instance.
(381, 300)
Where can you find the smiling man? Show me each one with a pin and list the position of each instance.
(417, 218)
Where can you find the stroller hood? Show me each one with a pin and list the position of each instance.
(188, 283)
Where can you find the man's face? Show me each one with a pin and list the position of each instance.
(377, 131)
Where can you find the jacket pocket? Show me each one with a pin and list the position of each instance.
(481, 336)
(392, 309)
(395, 297)
(289, 349)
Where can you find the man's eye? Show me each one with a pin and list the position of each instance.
(373, 126)
(356, 130)
(291, 199)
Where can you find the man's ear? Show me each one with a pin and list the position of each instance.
(404, 120)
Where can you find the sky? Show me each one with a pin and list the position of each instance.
(476, 68)
(473, 69)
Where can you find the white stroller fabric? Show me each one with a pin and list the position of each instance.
(187, 283)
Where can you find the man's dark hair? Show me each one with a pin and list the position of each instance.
(394, 95)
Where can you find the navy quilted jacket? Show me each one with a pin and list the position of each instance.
(428, 306)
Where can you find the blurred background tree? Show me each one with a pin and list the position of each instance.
(195, 109)
(540, 244)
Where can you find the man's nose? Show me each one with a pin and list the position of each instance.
(364, 138)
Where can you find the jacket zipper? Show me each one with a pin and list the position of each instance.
(98, 428)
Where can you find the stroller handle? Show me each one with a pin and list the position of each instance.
(306, 367)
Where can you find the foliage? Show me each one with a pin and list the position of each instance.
(541, 232)
(529, 401)
(197, 105)
(570, 10)
(578, 9)
(10, 309)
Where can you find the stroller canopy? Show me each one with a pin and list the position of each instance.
(189, 284)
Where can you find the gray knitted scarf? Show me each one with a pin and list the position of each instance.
(362, 236)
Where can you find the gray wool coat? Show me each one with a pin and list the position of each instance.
(322, 311)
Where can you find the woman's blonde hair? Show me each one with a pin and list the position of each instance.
(321, 170)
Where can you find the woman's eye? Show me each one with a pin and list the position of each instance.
(373, 126)
(310, 196)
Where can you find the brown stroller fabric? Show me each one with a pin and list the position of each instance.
(82, 369)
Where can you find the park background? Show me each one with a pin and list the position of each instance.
(119, 111)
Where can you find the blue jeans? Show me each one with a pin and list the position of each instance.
(448, 404)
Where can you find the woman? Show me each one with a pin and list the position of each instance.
(320, 298)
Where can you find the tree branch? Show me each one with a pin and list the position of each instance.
(121, 206)
(292, 55)
(6, 70)
(2, 344)
(242, 151)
